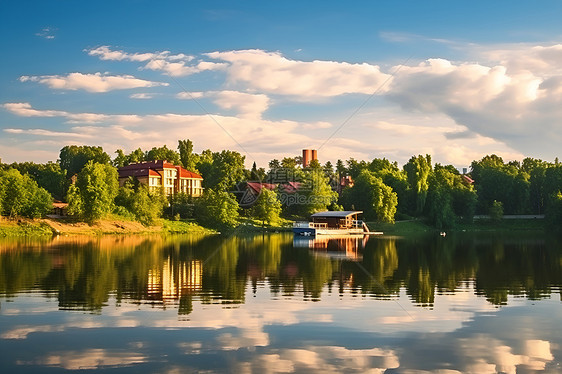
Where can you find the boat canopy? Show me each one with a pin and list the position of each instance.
(346, 219)
(337, 214)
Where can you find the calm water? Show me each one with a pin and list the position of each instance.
(277, 304)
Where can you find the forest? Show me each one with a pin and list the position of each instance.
(86, 177)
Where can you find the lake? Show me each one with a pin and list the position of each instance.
(274, 303)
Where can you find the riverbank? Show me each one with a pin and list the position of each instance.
(414, 227)
(67, 226)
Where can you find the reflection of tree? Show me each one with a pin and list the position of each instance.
(84, 273)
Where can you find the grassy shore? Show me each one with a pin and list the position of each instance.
(113, 225)
(415, 227)
(120, 225)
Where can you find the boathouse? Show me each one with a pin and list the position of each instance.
(337, 219)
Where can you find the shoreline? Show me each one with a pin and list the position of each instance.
(63, 226)
(23, 227)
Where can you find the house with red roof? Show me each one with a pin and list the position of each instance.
(161, 174)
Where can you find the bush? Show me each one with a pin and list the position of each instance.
(496, 211)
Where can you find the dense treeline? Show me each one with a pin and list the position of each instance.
(86, 177)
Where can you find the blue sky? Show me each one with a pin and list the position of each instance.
(458, 80)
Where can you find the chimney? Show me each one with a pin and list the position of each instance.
(307, 156)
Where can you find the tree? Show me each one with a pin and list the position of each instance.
(274, 164)
(163, 153)
(136, 198)
(257, 174)
(267, 207)
(49, 176)
(187, 157)
(20, 195)
(121, 159)
(496, 211)
(96, 188)
(417, 170)
(316, 192)
(369, 194)
(289, 163)
(554, 211)
(136, 156)
(354, 167)
(225, 170)
(217, 209)
(73, 158)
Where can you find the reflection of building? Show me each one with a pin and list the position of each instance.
(175, 280)
(162, 174)
(344, 247)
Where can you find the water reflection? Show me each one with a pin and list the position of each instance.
(243, 304)
(82, 273)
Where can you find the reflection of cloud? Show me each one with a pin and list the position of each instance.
(489, 355)
(322, 359)
(90, 359)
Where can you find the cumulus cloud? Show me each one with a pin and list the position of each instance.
(105, 53)
(26, 110)
(173, 65)
(518, 107)
(245, 104)
(265, 139)
(271, 72)
(97, 82)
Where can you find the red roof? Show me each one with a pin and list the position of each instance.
(291, 187)
(159, 164)
(468, 179)
(257, 186)
(184, 173)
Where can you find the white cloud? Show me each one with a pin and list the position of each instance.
(505, 102)
(105, 53)
(173, 65)
(47, 33)
(142, 96)
(97, 82)
(42, 132)
(272, 73)
(245, 104)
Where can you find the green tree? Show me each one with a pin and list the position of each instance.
(267, 207)
(121, 159)
(225, 170)
(136, 156)
(217, 209)
(146, 206)
(289, 163)
(20, 195)
(369, 194)
(73, 158)
(496, 211)
(554, 212)
(96, 185)
(316, 193)
(417, 170)
(187, 157)
(163, 153)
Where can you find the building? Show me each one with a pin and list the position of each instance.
(307, 156)
(162, 174)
